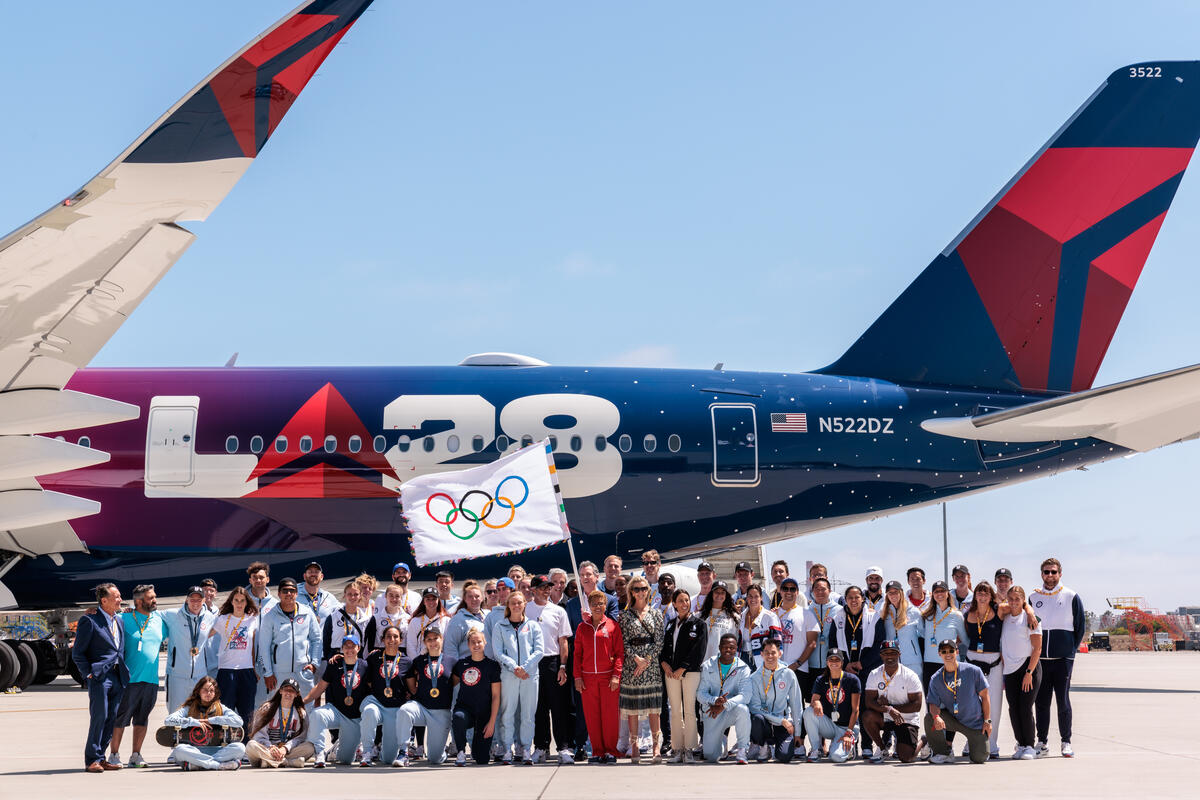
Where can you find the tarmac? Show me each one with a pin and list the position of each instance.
(1135, 717)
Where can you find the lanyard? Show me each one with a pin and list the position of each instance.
(824, 617)
(286, 732)
(391, 673)
(895, 614)
(193, 628)
(980, 622)
(767, 680)
(835, 692)
(236, 628)
(314, 600)
(945, 614)
(350, 676)
(435, 669)
(725, 674)
(952, 687)
(141, 625)
(854, 628)
(888, 682)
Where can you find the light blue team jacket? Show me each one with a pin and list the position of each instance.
(180, 628)
(520, 646)
(737, 688)
(939, 627)
(776, 696)
(455, 637)
(288, 644)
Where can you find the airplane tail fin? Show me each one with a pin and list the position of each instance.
(1029, 295)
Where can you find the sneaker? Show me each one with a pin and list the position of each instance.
(1018, 751)
(875, 756)
(527, 760)
(966, 751)
(245, 761)
(689, 757)
(609, 759)
(364, 761)
(400, 762)
(740, 755)
(1027, 754)
(799, 753)
(995, 754)
(924, 753)
(507, 760)
(136, 760)
(764, 754)
(938, 758)
(185, 766)
(114, 759)
(460, 760)
(234, 764)
(1041, 750)
(418, 752)
(566, 757)
(675, 758)
(595, 759)
(1067, 751)
(319, 763)
(537, 757)
(171, 758)
(814, 756)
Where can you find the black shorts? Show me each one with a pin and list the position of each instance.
(136, 704)
(905, 733)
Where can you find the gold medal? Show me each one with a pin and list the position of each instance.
(349, 701)
(434, 692)
(387, 692)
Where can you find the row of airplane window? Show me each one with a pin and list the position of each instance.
(452, 443)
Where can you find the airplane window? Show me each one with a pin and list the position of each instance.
(403, 443)
(477, 443)
(625, 443)
(673, 443)
(650, 443)
(601, 444)
(281, 444)
(553, 442)
(576, 444)
(428, 444)
(231, 444)
(305, 444)
(85, 441)
(380, 444)
(355, 444)
(256, 444)
(330, 444)
(452, 443)
(526, 440)
(501, 443)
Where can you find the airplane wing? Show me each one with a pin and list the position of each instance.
(1139, 415)
(70, 277)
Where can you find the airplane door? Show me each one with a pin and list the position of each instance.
(171, 441)
(735, 444)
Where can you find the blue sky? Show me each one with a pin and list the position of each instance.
(667, 184)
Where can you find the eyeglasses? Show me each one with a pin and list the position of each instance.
(1049, 572)
(789, 591)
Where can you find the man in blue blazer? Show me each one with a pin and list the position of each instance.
(99, 652)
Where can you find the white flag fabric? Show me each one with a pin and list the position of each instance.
(508, 506)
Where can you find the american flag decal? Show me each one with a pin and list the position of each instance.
(789, 423)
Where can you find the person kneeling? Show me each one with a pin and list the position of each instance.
(431, 684)
(202, 709)
(345, 688)
(841, 691)
(278, 735)
(775, 707)
(723, 695)
(893, 705)
(958, 702)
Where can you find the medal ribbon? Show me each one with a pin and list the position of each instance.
(348, 682)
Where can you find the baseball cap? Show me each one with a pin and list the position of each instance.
(209, 582)
(894, 585)
(286, 682)
(287, 582)
(538, 580)
(960, 568)
(403, 566)
(947, 643)
(312, 564)
(836, 653)
(889, 644)
(874, 571)
(1005, 571)
(352, 637)
(939, 585)
(506, 582)
(429, 591)
(195, 590)
(795, 585)
(720, 585)
(743, 565)
(704, 565)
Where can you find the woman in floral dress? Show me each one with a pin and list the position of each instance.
(641, 679)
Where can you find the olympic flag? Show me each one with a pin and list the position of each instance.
(508, 506)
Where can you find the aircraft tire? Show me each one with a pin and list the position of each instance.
(47, 669)
(27, 664)
(8, 667)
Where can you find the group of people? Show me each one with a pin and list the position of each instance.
(612, 665)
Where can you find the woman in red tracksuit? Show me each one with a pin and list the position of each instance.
(599, 658)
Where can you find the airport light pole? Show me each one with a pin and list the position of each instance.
(945, 549)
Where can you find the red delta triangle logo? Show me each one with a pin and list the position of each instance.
(323, 473)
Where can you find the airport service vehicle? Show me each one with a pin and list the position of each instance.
(979, 374)
(1100, 641)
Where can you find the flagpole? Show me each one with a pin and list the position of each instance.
(574, 566)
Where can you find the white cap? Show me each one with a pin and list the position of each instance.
(874, 571)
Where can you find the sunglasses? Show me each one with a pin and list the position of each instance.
(789, 591)
(491, 591)
(640, 589)
(1049, 572)
(651, 563)
(287, 591)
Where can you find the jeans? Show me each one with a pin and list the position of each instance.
(822, 728)
(208, 757)
(375, 714)
(1056, 680)
(436, 722)
(734, 715)
(939, 740)
(518, 703)
(681, 695)
(1020, 704)
(237, 689)
(776, 737)
(465, 719)
(328, 718)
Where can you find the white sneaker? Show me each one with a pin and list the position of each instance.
(876, 756)
(1041, 750)
(938, 758)
(364, 761)
(566, 757)
(234, 764)
(676, 757)
(319, 762)
(401, 762)
(1027, 754)
(508, 759)
(538, 756)
(460, 760)
(136, 760)
(924, 753)
(1018, 751)
(764, 753)
(689, 757)
(114, 759)
(740, 755)
(1067, 751)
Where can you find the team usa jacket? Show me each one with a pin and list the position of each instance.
(519, 645)
(288, 643)
(598, 651)
(736, 686)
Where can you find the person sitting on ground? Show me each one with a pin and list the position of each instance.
(833, 710)
(344, 688)
(892, 700)
(775, 707)
(724, 694)
(279, 735)
(957, 701)
(203, 709)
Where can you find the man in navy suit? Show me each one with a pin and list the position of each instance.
(99, 652)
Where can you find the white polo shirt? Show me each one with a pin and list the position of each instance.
(895, 690)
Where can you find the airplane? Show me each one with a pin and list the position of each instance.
(979, 375)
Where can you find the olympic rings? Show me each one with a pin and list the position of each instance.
(481, 517)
